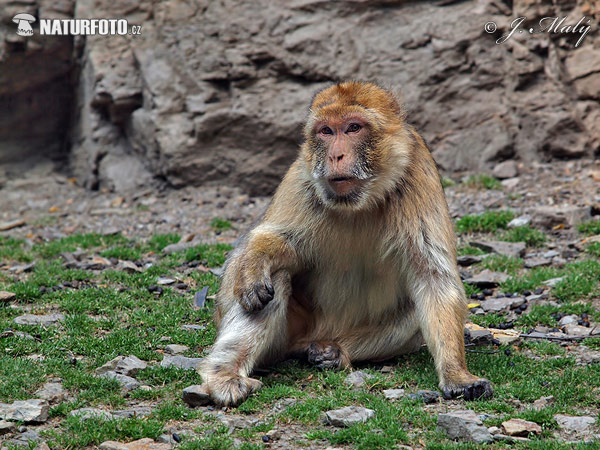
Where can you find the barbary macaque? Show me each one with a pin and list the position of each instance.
(354, 259)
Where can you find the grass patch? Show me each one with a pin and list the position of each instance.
(447, 182)
(594, 249)
(12, 249)
(590, 227)
(208, 255)
(489, 221)
(502, 263)
(75, 242)
(483, 181)
(468, 250)
(530, 236)
(219, 224)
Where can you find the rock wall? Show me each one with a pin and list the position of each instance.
(215, 91)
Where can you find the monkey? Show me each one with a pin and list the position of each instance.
(354, 259)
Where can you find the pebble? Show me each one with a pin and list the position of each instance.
(464, 425)
(140, 411)
(521, 221)
(200, 298)
(176, 349)
(571, 318)
(348, 416)
(34, 410)
(358, 379)
(426, 396)
(165, 281)
(196, 395)
(393, 394)
(181, 362)
(125, 365)
(520, 427)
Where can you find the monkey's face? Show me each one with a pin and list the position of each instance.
(341, 166)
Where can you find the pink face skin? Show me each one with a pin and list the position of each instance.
(341, 138)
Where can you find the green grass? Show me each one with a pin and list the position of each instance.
(502, 263)
(594, 249)
(468, 250)
(219, 224)
(489, 221)
(113, 313)
(447, 182)
(591, 227)
(530, 236)
(483, 181)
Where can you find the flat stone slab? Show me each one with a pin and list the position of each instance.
(181, 362)
(464, 425)
(350, 415)
(488, 279)
(126, 365)
(140, 444)
(577, 424)
(512, 249)
(6, 296)
(52, 392)
(34, 410)
(358, 379)
(128, 383)
(502, 304)
(176, 349)
(45, 320)
(91, 413)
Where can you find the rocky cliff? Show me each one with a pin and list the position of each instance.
(216, 91)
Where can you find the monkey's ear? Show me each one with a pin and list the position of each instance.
(397, 103)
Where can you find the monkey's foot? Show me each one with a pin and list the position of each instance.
(478, 389)
(231, 390)
(326, 355)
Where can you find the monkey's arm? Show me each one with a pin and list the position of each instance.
(265, 252)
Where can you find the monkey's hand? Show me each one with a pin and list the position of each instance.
(253, 287)
(472, 390)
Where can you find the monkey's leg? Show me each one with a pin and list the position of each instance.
(441, 312)
(245, 340)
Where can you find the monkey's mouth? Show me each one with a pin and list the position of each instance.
(343, 185)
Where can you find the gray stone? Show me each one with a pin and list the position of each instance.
(163, 281)
(196, 395)
(53, 392)
(393, 394)
(35, 411)
(426, 396)
(505, 169)
(574, 424)
(552, 282)
(464, 425)
(572, 329)
(181, 362)
(175, 349)
(179, 247)
(358, 379)
(551, 216)
(565, 320)
(543, 402)
(510, 183)
(140, 411)
(126, 365)
(348, 416)
(512, 249)
(7, 427)
(91, 413)
(128, 383)
(530, 263)
(521, 221)
(193, 327)
(25, 438)
(468, 260)
(44, 320)
(239, 422)
(486, 279)
(502, 304)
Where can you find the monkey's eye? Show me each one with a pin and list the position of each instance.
(326, 130)
(353, 128)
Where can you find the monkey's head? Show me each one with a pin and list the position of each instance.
(353, 147)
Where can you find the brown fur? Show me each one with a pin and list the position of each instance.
(354, 259)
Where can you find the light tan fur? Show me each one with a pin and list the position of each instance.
(340, 279)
